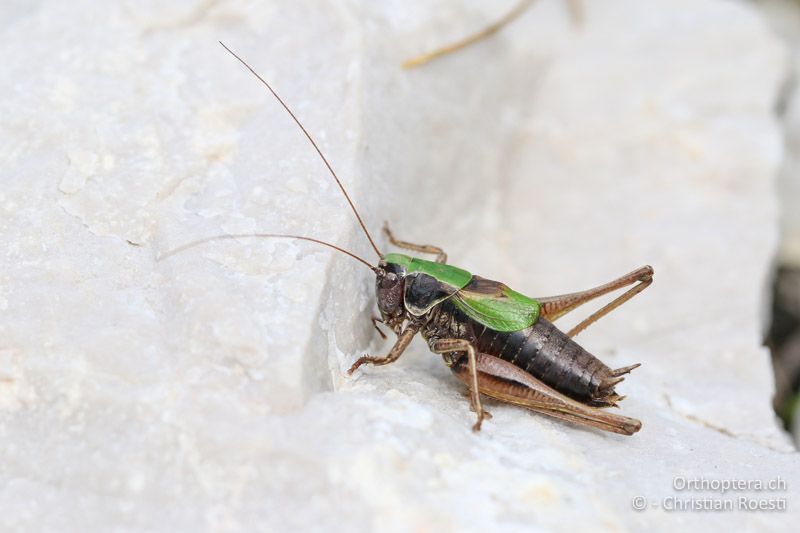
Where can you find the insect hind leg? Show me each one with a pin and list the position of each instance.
(554, 307)
(501, 380)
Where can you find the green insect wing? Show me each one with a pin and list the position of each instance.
(496, 306)
(453, 276)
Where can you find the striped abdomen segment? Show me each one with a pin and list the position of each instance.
(548, 354)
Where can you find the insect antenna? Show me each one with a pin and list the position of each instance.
(262, 235)
(313, 143)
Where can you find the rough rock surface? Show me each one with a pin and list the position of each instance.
(207, 391)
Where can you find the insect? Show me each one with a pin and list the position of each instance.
(499, 342)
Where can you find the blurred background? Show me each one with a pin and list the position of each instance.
(783, 332)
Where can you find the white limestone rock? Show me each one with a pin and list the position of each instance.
(784, 16)
(207, 391)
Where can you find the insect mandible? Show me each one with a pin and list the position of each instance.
(500, 343)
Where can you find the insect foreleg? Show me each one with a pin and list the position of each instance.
(461, 345)
(508, 383)
(441, 257)
(554, 307)
(403, 340)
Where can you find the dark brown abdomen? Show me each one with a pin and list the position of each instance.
(548, 354)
